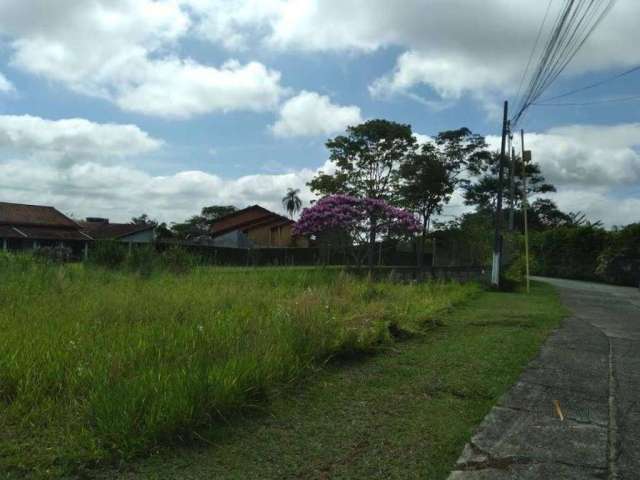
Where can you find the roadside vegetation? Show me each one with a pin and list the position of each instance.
(99, 365)
(404, 414)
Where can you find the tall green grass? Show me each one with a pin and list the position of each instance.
(97, 364)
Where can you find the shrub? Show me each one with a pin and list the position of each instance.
(108, 253)
(620, 262)
(178, 260)
(569, 252)
(57, 254)
(142, 259)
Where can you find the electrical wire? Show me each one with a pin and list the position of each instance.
(574, 25)
(593, 85)
(594, 102)
(535, 47)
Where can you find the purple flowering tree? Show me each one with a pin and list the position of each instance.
(349, 219)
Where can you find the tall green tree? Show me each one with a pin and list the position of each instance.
(144, 219)
(291, 201)
(366, 160)
(161, 229)
(464, 152)
(426, 186)
(214, 212)
(429, 178)
(482, 191)
(199, 224)
(366, 163)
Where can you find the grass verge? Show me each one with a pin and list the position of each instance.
(99, 366)
(402, 415)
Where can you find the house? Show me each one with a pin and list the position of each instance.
(24, 227)
(255, 226)
(102, 229)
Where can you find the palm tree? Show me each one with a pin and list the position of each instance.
(291, 201)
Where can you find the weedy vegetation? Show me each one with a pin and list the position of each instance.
(100, 364)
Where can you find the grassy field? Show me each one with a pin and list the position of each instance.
(99, 366)
(404, 414)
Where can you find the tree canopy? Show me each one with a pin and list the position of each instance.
(199, 224)
(366, 160)
(291, 201)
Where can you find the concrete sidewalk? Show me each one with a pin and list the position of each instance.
(575, 411)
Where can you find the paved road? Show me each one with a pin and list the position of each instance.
(588, 372)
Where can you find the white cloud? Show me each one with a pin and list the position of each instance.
(120, 192)
(231, 22)
(175, 88)
(455, 47)
(445, 74)
(309, 114)
(72, 140)
(88, 169)
(124, 51)
(586, 155)
(5, 85)
(588, 164)
(599, 205)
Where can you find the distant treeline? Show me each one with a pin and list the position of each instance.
(589, 253)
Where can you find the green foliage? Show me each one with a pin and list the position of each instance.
(142, 259)
(568, 252)
(467, 240)
(463, 150)
(427, 183)
(199, 224)
(588, 252)
(178, 260)
(57, 254)
(97, 364)
(291, 201)
(108, 253)
(402, 415)
(516, 269)
(366, 160)
(483, 191)
(619, 262)
(144, 219)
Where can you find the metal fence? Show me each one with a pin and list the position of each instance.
(292, 256)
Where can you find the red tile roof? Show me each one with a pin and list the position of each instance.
(113, 231)
(37, 222)
(36, 215)
(246, 219)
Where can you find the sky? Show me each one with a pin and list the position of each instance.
(116, 108)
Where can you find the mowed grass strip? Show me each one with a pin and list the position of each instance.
(99, 366)
(404, 414)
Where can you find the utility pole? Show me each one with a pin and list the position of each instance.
(512, 181)
(526, 158)
(497, 241)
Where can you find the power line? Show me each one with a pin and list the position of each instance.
(574, 25)
(593, 85)
(594, 102)
(535, 47)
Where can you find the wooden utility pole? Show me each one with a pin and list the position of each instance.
(497, 241)
(526, 158)
(512, 183)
